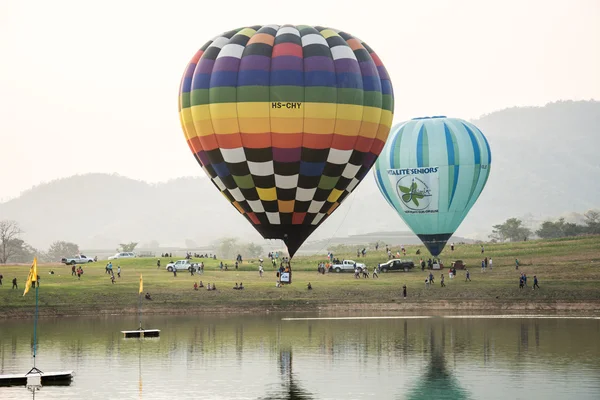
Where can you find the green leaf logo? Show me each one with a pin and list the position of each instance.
(411, 195)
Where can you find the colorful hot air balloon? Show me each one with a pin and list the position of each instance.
(431, 171)
(286, 121)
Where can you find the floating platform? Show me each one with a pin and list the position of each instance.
(61, 378)
(140, 333)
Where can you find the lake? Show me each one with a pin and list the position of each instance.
(302, 356)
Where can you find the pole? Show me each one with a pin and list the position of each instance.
(35, 321)
(140, 309)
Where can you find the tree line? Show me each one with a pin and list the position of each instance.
(230, 247)
(15, 249)
(514, 230)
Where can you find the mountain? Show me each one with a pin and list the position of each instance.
(544, 164)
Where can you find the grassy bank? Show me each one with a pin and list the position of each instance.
(568, 270)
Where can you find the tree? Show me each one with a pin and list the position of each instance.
(550, 230)
(60, 249)
(253, 250)
(23, 252)
(227, 247)
(512, 229)
(592, 221)
(9, 232)
(127, 247)
(570, 229)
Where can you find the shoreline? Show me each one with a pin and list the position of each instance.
(430, 307)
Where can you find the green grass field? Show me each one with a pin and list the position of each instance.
(567, 269)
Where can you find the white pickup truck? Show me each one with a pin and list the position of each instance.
(347, 265)
(80, 259)
(182, 265)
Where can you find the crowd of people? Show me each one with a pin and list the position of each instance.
(283, 269)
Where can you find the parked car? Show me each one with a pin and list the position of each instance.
(79, 259)
(182, 265)
(347, 265)
(397, 264)
(122, 255)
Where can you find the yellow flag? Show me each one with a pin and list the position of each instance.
(32, 277)
(141, 284)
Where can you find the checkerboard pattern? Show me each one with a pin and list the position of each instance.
(286, 120)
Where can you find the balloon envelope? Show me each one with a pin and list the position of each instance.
(286, 121)
(431, 171)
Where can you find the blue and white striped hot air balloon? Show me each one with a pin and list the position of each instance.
(432, 170)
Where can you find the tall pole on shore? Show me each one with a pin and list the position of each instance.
(140, 309)
(35, 319)
(140, 300)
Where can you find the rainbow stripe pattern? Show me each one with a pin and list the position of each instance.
(286, 121)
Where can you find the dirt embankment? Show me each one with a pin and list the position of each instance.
(436, 307)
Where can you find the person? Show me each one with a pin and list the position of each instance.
(260, 271)
(452, 247)
(241, 286)
(236, 287)
(404, 290)
(208, 287)
(375, 274)
(119, 271)
(14, 282)
(442, 280)
(468, 276)
(535, 282)
(195, 285)
(278, 283)
(516, 263)
(112, 279)
(427, 283)
(309, 286)
(482, 249)
(148, 296)
(521, 282)
(1, 277)
(490, 263)
(158, 264)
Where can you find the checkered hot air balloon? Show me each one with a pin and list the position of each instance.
(286, 121)
(432, 171)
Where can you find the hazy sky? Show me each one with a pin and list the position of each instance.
(91, 86)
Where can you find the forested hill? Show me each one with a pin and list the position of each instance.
(545, 163)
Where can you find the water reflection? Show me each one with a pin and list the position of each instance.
(291, 389)
(437, 382)
(263, 357)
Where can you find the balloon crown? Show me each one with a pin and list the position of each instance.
(435, 116)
